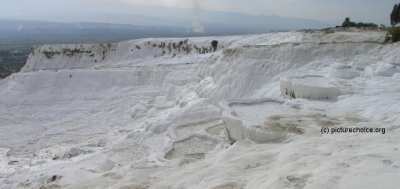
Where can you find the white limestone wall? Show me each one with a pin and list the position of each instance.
(309, 87)
(78, 56)
(84, 115)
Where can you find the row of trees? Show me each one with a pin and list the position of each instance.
(394, 19)
(393, 33)
(348, 23)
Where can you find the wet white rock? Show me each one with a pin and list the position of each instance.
(173, 113)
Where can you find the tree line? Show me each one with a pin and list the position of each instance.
(348, 23)
(393, 33)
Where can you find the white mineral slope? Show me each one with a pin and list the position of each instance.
(177, 113)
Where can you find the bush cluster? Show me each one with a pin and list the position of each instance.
(393, 34)
(214, 45)
(348, 23)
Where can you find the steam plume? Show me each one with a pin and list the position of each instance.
(19, 28)
(198, 28)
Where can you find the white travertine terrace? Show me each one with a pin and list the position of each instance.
(176, 113)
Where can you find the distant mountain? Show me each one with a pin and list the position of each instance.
(135, 21)
(143, 15)
(23, 34)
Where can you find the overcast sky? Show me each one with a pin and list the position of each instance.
(331, 11)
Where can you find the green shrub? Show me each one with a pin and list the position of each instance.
(393, 34)
(214, 44)
(347, 23)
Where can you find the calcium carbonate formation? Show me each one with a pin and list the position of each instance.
(180, 113)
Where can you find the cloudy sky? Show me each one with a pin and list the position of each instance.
(331, 11)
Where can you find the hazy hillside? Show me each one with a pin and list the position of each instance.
(142, 15)
(17, 34)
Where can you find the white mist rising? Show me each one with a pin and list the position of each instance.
(196, 16)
